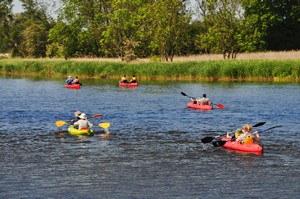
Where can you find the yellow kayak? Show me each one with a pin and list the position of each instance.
(74, 131)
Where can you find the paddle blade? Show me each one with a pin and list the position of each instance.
(270, 128)
(207, 139)
(219, 143)
(220, 106)
(259, 124)
(105, 125)
(60, 123)
(96, 115)
(182, 93)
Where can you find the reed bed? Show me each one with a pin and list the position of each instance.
(213, 70)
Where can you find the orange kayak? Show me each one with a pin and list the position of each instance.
(233, 145)
(74, 86)
(198, 106)
(123, 84)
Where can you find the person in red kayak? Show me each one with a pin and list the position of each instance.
(202, 101)
(133, 79)
(124, 79)
(75, 80)
(69, 80)
(237, 133)
(247, 137)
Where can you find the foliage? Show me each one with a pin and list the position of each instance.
(277, 21)
(161, 29)
(225, 28)
(6, 17)
(231, 70)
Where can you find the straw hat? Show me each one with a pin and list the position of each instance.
(77, 113)
(82, 116)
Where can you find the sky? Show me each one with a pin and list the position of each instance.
(17, 6)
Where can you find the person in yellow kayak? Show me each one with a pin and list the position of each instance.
(202, 101)
(83, 122)
(124, 79)
(77, 114)
(247, 137)
(133, 79)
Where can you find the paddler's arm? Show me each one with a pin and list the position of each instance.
(256, 138)
(228, 135)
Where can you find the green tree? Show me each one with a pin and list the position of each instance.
(63, 41)
(6, 18)
(29, 30)
(278, 21)
(86, 19)
(223, 23)
(35, 40)
(169, 21)
(122, 30)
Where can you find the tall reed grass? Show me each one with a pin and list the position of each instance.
(219, 70)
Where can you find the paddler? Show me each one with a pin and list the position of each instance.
(77, 114)
(237, 133)
(247, 137)
(133, 79)
(202, 101)
(83, 122)
(69, 80)
(124, 79)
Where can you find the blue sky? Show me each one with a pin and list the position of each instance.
(17, 6)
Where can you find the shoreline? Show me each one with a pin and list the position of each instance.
(265, 70)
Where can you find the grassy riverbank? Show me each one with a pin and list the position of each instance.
(217, 70)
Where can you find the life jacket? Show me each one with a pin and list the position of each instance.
(249, 140)
(237, 134)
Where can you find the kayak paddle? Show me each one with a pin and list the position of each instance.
(182, 93)
(210, 139)
(222, 142)
(269, 129)
(221, 106)
(105, 125)
(60, 123)
(97, 115)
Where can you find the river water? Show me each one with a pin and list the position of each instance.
(155, 149)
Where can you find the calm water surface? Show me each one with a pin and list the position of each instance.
(155, 149)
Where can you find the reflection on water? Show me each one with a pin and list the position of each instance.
(154, 150)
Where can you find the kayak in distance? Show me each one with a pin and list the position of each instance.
(236, 146)
(73, 86)
(74, 131)
(198, 106)
(128, 84)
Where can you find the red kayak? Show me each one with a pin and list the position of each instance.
(130, 85)
(73, 86)
(198, 106)
(233, 145)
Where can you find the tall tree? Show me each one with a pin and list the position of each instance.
(6, 18)
(222, 19)
(226, 28)
(36, 19)
(121, 32)
(279, 21)
(169, 22)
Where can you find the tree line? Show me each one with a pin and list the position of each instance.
(161, 29)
